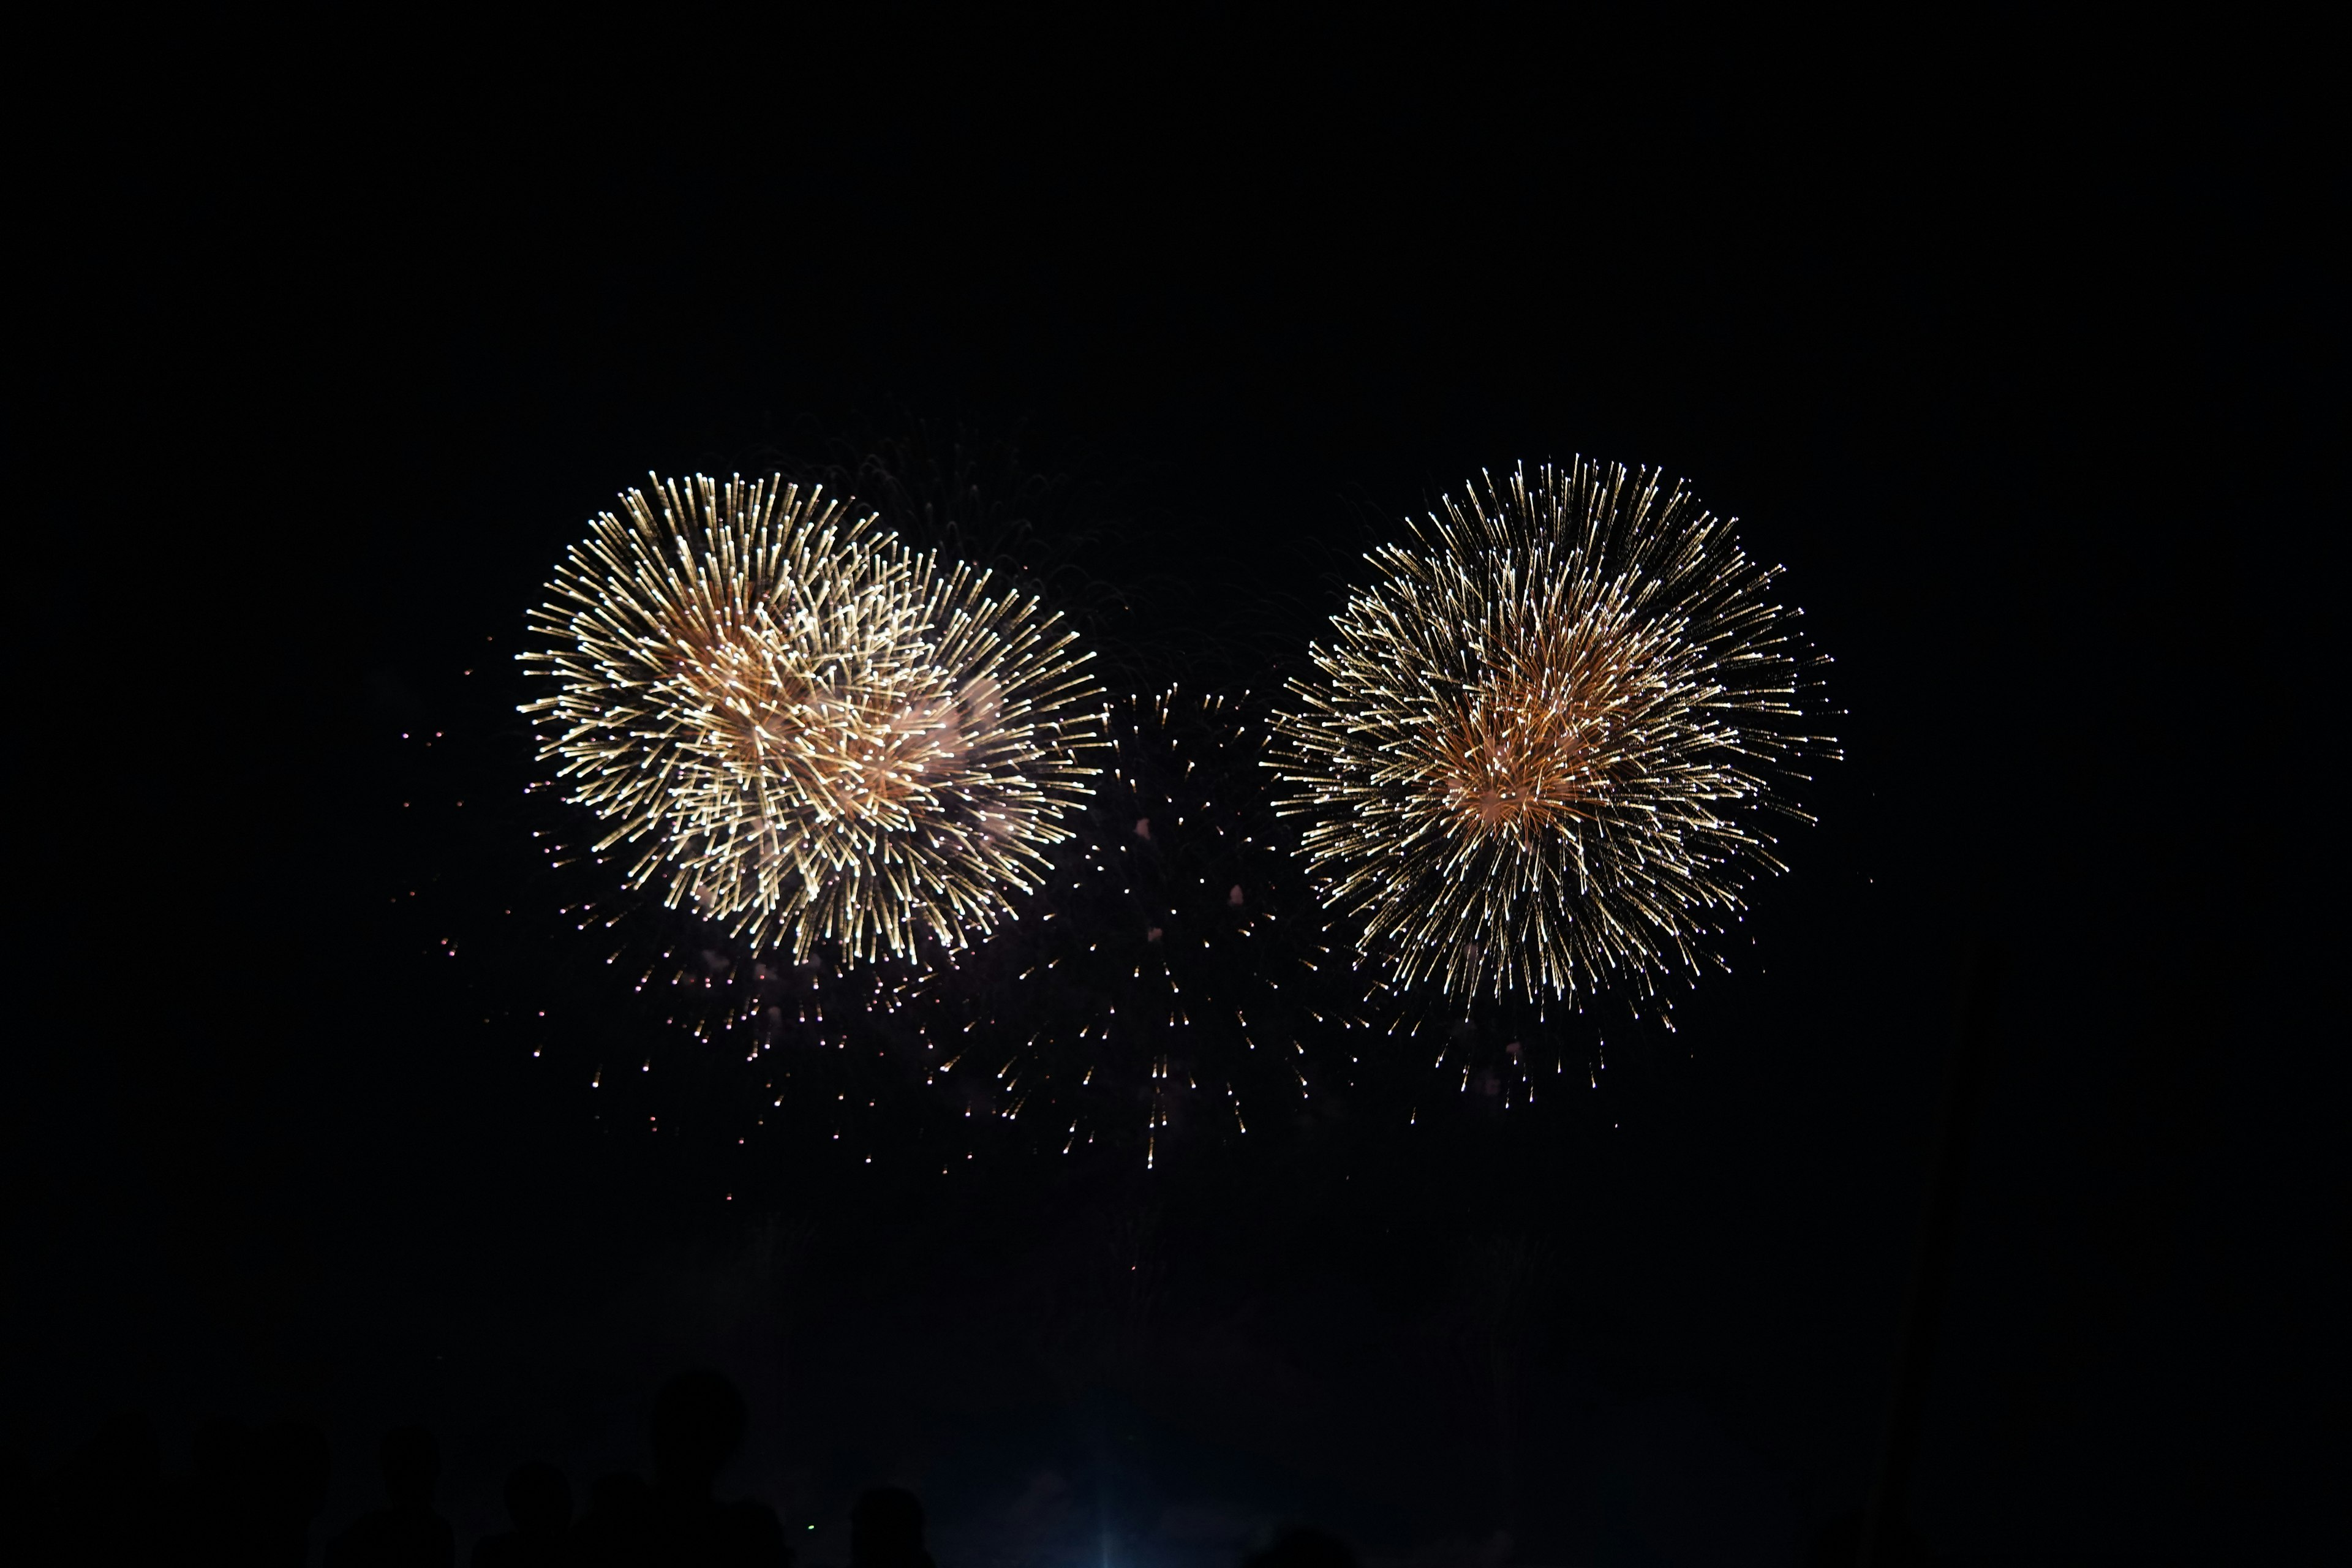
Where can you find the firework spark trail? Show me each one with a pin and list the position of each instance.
(1545, 742)
(1163, 993)
(806, 732)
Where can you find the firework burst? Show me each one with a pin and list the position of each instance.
(1163, 991)
(801, 731)
(1543, 750)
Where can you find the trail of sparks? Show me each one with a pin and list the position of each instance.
(803, 731)
(1162, 996)
(1545, 742)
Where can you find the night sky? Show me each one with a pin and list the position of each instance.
(2018, 364)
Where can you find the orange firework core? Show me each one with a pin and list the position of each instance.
(1516, 760)
(1532, 746)
(856, 752)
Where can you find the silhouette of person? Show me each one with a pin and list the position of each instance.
(1839, 1545)
(539, 1500)
(698, 1423)
(886, 1530)
(1301, 1548)
(290, 1467)
(16, 1521)
(102, 1505)
(617, 1530)
(407, 1533)
(213, 1508)
(250, 1495)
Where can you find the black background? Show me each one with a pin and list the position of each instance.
(2016, 356)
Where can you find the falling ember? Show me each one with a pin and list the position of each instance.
(803, 730)
(1140, 997)
(1545, 744)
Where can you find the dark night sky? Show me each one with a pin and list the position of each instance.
(2022, 370)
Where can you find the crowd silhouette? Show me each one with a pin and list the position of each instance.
(406, 1531)
(251, 1496)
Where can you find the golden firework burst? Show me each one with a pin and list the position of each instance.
(1545, 742)
(807, 731)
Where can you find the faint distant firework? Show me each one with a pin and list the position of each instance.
(1541, 756)
(809, 736)
(1160, 987)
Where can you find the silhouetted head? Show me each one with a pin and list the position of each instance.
(698, 1421)
(412, 1463)
(121, 1461)
(886, 1530)
(538, 1499)
(1300, 1548)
